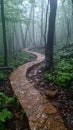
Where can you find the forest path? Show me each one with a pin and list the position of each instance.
(42, 115)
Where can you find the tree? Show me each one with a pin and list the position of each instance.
(27, 26)
(72, 1)
(50, 36)
(67, 20)
(42, 11)
(33, 23)
(4, 33)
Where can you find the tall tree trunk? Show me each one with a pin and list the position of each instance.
(72, 1)
(23, 41)
(46, 25)
(13, 47)
(50, 37)
(17, 37)
(42, 11)
(72, 7)
(68, 25)
(46, 28)
(27, 27)
(4, 33)
(34, 44)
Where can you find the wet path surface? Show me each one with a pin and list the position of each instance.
(42, 115)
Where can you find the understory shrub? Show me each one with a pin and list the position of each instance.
(5, 114)
(62, 74)
(19, 58)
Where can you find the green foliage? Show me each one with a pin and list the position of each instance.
(23, 111)
(42, 66)
(3, 75)
(2, 126)
(14, 8)
(18, 59)
(5, 100)
(62, 74)
(5, 114)
(64, 65)
(48, 77)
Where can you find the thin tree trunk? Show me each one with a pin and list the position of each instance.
(23, 41)
(46, 25)
(4, 33)
(42, 11)
(46, 29)
(34, 44)
(68, 25)
(28, 24)
(16, 36)
(13, 47)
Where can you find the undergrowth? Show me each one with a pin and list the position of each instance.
(6, 110)
(5, 101)
(18, 59)
(62, 75)
(5, 114)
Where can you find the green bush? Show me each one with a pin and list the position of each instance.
(62, 74)
(5, 114)
(3, 75)
(5, 100)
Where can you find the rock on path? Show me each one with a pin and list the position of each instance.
(42, 115)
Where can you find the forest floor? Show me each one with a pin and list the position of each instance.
(19, 119)
(45, 105)
(61, 99)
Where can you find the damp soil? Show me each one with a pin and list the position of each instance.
(62, 99)
(19, 120)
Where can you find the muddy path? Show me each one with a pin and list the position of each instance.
(42, 115)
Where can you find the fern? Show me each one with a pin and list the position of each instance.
(4, 115)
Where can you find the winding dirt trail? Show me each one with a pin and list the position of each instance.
(42, 115)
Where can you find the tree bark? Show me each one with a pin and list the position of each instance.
(42, 11)
(27, 27)
(45, 34)
(50, 37)
(33, 15)
(4, 33)
(22, 35)
(68, 26)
